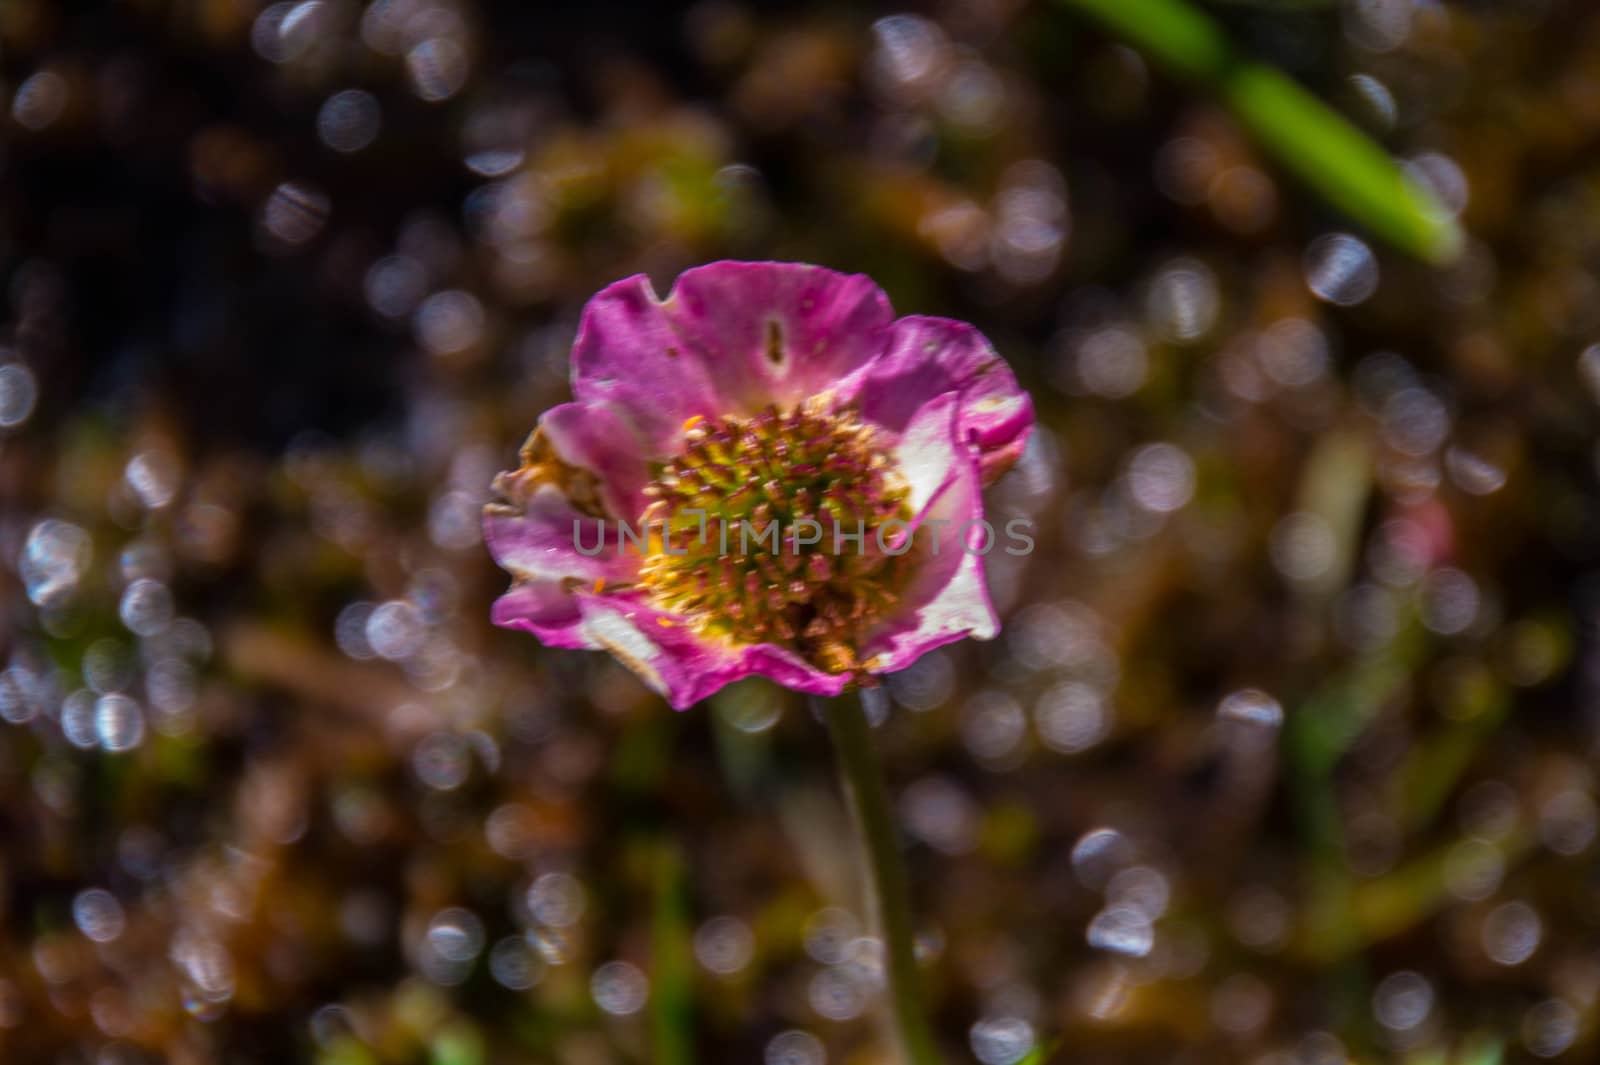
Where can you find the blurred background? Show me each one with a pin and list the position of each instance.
(1285, 756)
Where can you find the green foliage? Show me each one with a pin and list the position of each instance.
(672, 996)
(1319, 146)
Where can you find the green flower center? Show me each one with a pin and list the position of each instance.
(778, 531)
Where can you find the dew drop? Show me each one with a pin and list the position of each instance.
(1122, 929)
(394, 285)
(455, 934)
(1567, 822)
(438, 68)
(1511, 933)
(1341, 269)
(18, 394)
(556, 900)
(620, 988)
(77, 720)
(98, 915)
(1142, 888)
(146, 607)
(1252, 706)
(1098, 855)
(442, 761)
(17, 707)
(837, 995)
(1001, 1040)
(1402, 1001)
(118, 723)
(1071, 717)
(295, 212)
(1182, 302)
(828, 933)
(153, 476)
(1161, 478)
(53, 560)
(1377, 98)
(395, 630)
(1112, 362)
(40, 100)
(349, 120)
(1549, 1028)
(514, 964)
(449, 322)
(724, 945)
(795, 1047)
(1472, 473)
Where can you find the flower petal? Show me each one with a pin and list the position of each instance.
(629, 354)
(927, 357)
(777, 332)
(543, 607)
(948, 598)
(540, 539)
(680, 663)
(600, 438)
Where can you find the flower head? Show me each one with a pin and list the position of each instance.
(764, 473)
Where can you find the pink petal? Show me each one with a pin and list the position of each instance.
(541, 541)
(777, 332)
(927, 357)
(600, 438)
(678, 662)
(553, 598)
(538, 547)
(708, 348)
(628, 354)
(545, 608)
(948, 598)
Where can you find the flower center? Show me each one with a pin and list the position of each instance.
(784, 529)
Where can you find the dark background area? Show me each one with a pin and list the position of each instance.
(1300, 687)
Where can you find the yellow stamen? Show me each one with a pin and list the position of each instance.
(743, 475)
(665, 623)
(599, 585)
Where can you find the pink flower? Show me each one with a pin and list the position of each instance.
(756, 401)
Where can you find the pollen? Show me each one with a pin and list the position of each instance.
(772, 526)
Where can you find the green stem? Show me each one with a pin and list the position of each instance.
(1321, 147)
(672, 997)
(887, 894)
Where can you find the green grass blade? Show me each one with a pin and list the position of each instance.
(672, 996)
(1323, 149)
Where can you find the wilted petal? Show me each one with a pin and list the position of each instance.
(927, 357)
(947, 598)
(679, 662)
(546, 608)
(601, 439)
(540, 539)
(628, 354)
(536, 539)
